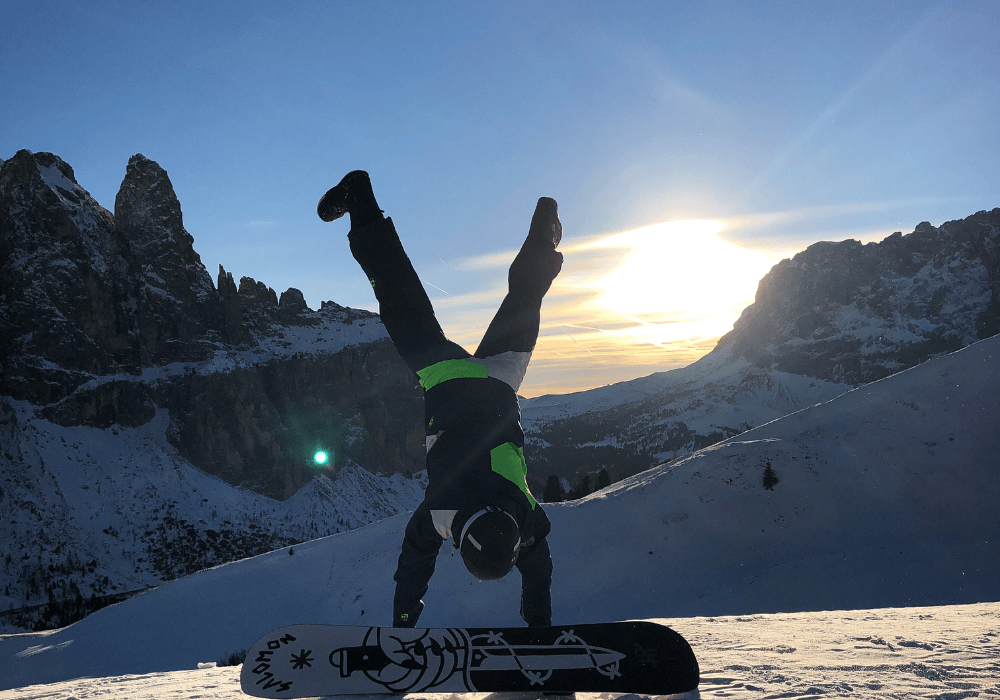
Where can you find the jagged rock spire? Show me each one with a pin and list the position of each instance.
(179, 312)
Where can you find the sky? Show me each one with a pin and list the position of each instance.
(690, 146)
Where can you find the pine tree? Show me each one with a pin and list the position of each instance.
(553, 491)
(770, 477)
(603, 479)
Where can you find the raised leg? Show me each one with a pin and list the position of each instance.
(405, 309)
(515, 326)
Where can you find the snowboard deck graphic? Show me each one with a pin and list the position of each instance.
(314, 660)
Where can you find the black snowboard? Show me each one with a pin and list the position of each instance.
(617, 657)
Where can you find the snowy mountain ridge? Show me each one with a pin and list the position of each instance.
(833, 317)
(882, 497)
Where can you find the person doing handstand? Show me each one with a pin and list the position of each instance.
(477, 493)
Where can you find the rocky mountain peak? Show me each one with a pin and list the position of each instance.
(179, 314)
(147, 211)
(63, 280)
(854, 313)
(109, 320)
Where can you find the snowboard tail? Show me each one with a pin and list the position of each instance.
(623, 657)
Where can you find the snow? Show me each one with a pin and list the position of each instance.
(933, 652)
(103, 492)
(940, 652)
(73, 198)
(716, 377)
(329, 335)
(884, 510)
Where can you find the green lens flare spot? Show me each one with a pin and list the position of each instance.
(321, 457)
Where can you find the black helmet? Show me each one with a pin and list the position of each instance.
(489, 543)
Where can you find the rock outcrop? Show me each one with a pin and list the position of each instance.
(177, 310)
(853, 313)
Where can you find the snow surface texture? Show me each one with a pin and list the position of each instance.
(882, 497)
(938, 652)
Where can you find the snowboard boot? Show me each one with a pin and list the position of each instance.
(352, 195)
(545, 226)
(538, 262)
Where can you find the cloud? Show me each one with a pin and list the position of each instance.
(488, 261)
(693, 280)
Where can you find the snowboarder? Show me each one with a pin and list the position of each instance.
(477, 493)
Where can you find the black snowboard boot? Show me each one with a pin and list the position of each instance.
(545, 226)
(538, 262)
(353, 195)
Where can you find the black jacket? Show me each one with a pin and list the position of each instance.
(467, 421)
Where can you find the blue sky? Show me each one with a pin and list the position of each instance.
(774, 124)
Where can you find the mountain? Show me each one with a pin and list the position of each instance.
(106, 318)
(153, 422)
(835, 316)
(882, 497)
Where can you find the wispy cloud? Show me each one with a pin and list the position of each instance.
(879, 69)
(805, 214)
(486, 262)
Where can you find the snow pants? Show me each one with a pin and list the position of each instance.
(408, 315)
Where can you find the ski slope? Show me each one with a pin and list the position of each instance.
(884, 497)
(938, 652)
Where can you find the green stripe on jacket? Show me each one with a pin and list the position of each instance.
(450, 369)
(507, 460)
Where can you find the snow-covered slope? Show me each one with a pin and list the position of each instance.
(943, 653)
(720, 391)
(632, 426)
(884, 496)
(105, 512)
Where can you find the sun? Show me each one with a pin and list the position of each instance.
(682, 273)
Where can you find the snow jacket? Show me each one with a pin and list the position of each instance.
(474, 458)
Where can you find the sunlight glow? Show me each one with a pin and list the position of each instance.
(683, 267)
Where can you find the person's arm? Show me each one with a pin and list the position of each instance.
(535, 565)
(421, 543)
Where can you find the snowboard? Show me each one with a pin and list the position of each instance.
(618, 657)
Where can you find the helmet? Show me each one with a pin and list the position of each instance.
(489, 543)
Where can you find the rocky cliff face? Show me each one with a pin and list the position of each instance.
(854, 313)
(177, 311)
(105, 318)
(835, 316)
